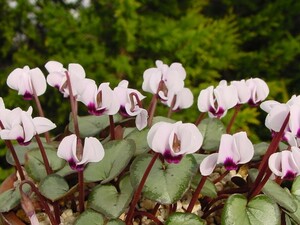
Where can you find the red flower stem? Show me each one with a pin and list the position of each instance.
(41, 112)
(221, 177)
(149, 215)
(112, 127)
(154, 210)
(261, 184)
(44, 155)
(264, 163)
(12, 150)
(73, 106)
(42, 200)
(213, 201)
(237, 108)
(200, 118)
(81, 191)
(218, 207)
(152, 109)
(196, 194)
(171, 107)
(139, 189)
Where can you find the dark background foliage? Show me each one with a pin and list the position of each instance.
(114, 40)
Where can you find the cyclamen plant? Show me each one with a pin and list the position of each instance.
(123, 165)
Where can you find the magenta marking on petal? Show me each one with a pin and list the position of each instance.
(20, 140)
(92, 110)
(171, 158)
(252, 103)
(229, 164)
(218, 113)
(298, 133)
(290, 175)
(123, 112)
(74, 166)
(27, 96)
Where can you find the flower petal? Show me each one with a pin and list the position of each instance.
(42, 125)
(38, 81)
(141, 119)
(244, 146)
(275, 163)
(93, 151)
(54, 66)
(276, 117)
(205, 99)
(208, 164)
(77, 70)
(67, 148)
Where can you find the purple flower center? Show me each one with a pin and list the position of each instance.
(172, 158)
(92, 110)
(123, 112)
(252, 103)
(27, 95)
(74, 166)
(20, 140)
(229, 164)
(218, 113)
(290, 175)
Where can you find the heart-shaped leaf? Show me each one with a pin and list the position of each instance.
(140, 140)
(166, 183)
(107, 200)
(21, 151)
(295, 190)
(259, 150)
(184, 219)
(92, 125)
(53, 187)
(212, 130)
(295, 216)
(11, 198)
(35, 167)
(260, 210)
(117, 156)
(276, 193)
(90, 217)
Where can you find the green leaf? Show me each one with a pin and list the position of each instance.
(90, 217)
(260, 210)
(157, 119)
(140, 140)
(184, 219)
(21, 151)
(92, 125)
(212, 130)
(11, 198)
(53, 187)
(166, 183)
(35, 167)
(276, 193)
(107, 200)
(259, 150)
(295, 216)
(209, 189)
(117, 156)
(295, 190)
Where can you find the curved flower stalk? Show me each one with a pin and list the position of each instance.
(58, 78)
(163, 78)
(259, 90)
(19, 125)
(99, 101)
(285, 164)
(130, 104)
(92, 151)
(173, 141)
(234, 149)
(27, 82)
(216, 101)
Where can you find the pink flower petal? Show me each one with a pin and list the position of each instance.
(93, 151)
(141, 119)
(208, 164)
(67, 148)
(42, 125)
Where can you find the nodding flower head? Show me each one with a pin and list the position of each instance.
(27, 82)
(173, 141)
(216, 101)
(92, 151)
(286, 164)
(234, 149)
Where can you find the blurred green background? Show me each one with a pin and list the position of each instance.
(119, 39)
